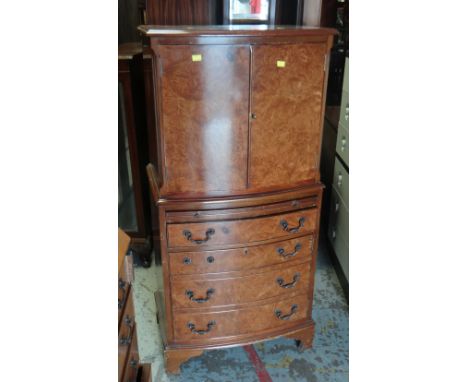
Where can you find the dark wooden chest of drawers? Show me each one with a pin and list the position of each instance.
(129, 367)
(239, 115)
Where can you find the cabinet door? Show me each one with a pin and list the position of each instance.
(287, 94)
(205, 110)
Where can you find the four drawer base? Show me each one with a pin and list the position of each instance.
(237, 272)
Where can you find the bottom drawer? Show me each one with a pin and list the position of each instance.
(254, 319)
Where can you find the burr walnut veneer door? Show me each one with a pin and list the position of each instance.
(205, 110)
(287, 85)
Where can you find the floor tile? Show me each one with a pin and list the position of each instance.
(224, 365)
(331, 328)
(144, 286)
(327, 290)
(319, 364)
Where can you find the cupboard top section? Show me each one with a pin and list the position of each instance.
(234, 33)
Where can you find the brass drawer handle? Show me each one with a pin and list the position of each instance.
(281, 283)
(286, 316)
(200, 300)
(188, 235)
(122, 285)
(282, 253)
(286, 227)
(201, 331)
(127, 340)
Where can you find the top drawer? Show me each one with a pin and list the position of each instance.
(231, 232)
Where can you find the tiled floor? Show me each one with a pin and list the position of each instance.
(280, 361)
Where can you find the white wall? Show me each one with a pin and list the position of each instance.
(312, 9)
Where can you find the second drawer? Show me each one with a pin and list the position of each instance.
(200, 293)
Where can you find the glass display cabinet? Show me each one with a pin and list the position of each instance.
(134, 215)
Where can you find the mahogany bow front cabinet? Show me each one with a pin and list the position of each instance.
(239, 115)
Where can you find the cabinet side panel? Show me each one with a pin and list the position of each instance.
(205, 101)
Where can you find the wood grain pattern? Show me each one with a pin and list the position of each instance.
(261, 31)
(127, 333)
(205, 118)
(241, 231)
(124, 349)
(239, 321)
(182, 12)
(146, 375)
(133, 360)
(287, 104)
(303, 337)
(132, 100)
(173, 358)
(128, 311)
(123, 244)
(240, 213)
(195, 203)
(238, 144)
(123, 295)
(239, 290)
(240, 258)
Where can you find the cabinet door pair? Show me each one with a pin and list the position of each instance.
(238, 118)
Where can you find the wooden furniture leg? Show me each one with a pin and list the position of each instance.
(303, 337)
(174, 358)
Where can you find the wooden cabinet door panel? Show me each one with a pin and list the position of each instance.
(205, 106)
(287, 85)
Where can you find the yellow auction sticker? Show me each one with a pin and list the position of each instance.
(280, 64)
(196, 57)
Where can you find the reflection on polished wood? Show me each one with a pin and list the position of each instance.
(204, 117)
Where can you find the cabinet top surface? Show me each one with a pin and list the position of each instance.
(233, 30)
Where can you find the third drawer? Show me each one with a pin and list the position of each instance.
(195, 292)
(238, 259)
